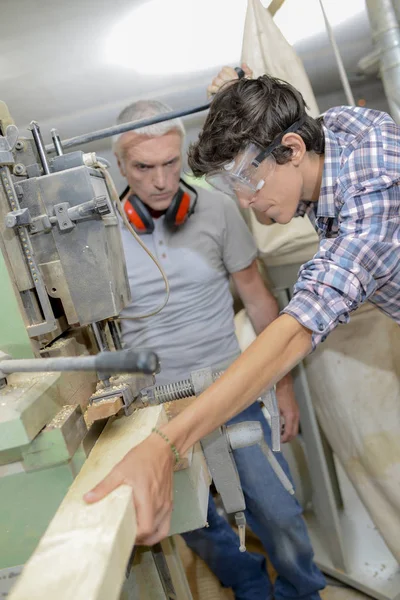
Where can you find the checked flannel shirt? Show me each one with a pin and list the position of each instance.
(357, 218)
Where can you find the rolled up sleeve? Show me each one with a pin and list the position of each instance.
(344, 273)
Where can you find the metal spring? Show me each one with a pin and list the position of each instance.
(174, 391)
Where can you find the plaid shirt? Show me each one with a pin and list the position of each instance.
(358, 221)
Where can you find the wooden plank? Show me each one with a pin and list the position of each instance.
(85, 550)
(104, 408)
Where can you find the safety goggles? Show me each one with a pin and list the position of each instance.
(241, 177)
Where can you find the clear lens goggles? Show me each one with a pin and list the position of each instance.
(241, 177)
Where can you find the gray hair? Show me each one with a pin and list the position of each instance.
(145, 109)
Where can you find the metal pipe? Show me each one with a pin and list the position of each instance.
(57, 142)
(86, 138)
(339, 62)
(122, 361)
(40, 146)
(386, 35)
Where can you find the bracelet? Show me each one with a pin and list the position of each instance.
(173, 447)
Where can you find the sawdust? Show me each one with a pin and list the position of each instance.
(59, 343)
(61, 416)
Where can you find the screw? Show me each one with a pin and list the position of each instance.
(19, 145)
(65, 224)
(60, 209)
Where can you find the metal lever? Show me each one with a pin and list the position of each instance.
(250, 433)
(241, 525)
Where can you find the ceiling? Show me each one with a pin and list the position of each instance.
(74, 64)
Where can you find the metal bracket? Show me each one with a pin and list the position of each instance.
(63, 219)
(18, 218)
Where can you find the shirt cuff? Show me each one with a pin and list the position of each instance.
(320, 317)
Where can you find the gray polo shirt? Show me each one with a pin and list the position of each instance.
(196, 328)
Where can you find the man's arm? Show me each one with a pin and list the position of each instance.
(262, 308)
(147, 468)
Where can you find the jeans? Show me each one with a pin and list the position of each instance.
(275, 518)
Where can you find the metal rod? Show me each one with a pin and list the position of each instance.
(101, 340)
(102, 344)
(115, 335)
(57, 142)
(122, 361)
(339, 62)
(124, 127)
(47, 365)
(40, 146)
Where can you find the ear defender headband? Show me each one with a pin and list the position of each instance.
(178, 212)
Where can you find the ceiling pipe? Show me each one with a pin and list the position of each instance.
(386, 35)
(342, 72)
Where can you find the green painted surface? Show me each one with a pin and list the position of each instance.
(28, 502)
(46, 449)
(13, 336)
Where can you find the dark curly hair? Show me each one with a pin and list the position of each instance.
(252, 110)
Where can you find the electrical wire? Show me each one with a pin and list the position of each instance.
(114, 195)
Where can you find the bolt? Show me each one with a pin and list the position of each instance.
(10, 221)
(33, 227)
(19, 145)
(19, 169)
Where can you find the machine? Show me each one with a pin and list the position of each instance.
(61, 244)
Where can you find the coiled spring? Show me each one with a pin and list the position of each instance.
(174, 391)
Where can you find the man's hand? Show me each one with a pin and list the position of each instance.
(147, 468)
(225, 75)
(288, 408)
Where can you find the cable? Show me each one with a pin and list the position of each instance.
(103, 160)
(114, 195)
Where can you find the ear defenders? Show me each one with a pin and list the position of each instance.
(178, 212)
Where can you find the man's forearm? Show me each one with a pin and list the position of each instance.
(273, 354)
(263, 311)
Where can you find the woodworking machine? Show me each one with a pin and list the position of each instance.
(61, 246)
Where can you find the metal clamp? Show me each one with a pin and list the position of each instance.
(66, 216)
(122, 391)
(7, 145)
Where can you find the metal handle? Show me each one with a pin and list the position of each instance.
(122, 361)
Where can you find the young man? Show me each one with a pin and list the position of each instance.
(201, 240)
(344, 170)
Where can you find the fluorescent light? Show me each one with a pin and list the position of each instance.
(162, 37)
(299, 20)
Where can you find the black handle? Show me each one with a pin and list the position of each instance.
(127, 361)
(240, 72)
